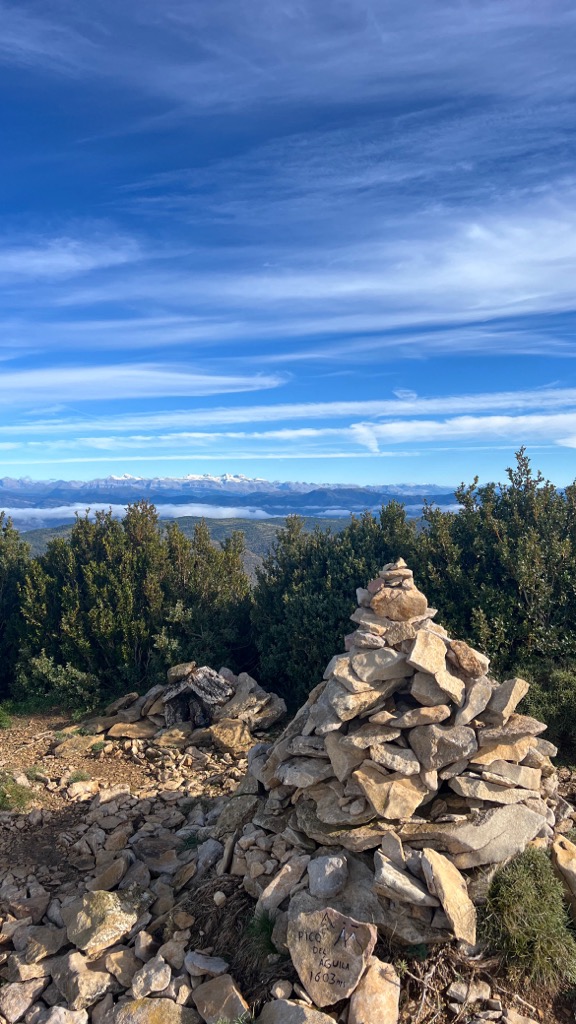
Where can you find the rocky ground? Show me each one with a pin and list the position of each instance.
(115, 905)
(182, 859)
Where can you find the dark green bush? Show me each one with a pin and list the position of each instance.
(552, 699)
(42, 684)
(306, 593)
(14, 565)
(501, 571)
(525, 921)
(109, 609)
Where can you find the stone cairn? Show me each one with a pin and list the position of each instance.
(404, 779)
(197, 706)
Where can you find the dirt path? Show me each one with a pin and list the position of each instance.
(25, 748)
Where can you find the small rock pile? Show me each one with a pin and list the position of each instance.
(195, 707)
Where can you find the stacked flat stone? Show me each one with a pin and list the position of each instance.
(197, 705)
(406, 770)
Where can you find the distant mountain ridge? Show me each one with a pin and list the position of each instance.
(33, 503)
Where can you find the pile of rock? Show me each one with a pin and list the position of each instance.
(405, 778)
(105, 930)
(196, 706)
(381, 810)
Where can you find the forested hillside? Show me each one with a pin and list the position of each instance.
(107, 608)
(259, 534)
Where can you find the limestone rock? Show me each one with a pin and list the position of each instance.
(343, 758)
(231, 736)
(426, 690)
(80, 985)
(469, 992)
(177, 673)
(398, 604)
(392, 796)
(75, 745)
(452, 684)
(396, 759)
(505, 700)
(343, 672)
(391, 847)
(438, 745)
(330, 953)
(198, 965)
(513, 1017)
(357, 900)
(564, 861)
(219, 999)
(252, 705)
(99, 919)
(327, 876)
(366, 837)
(39, 941)
(122, 702)
(17, 998)
(143, 730)
(516, 727)
(174, 952)
(488, 792)
(494, 835)
(377, 996)
(284, 1011)
(282, 884)
(507, 774)
(301, 772)
(419, 716)
(427, 653)
(58, 1015)
(364, 736)
(478, 693)
(380, 665)
(376, 625)
(123, 964)
(153, 976)
(157, 853)
(346, 705)
(154, 1011)
(471, 662)
(179, 736)
(445, 881)
(396, 883)
(238, 810)
(515, 750)
(110, 877)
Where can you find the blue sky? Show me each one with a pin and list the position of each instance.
(287, 238)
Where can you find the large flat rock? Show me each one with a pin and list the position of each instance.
(330, 952)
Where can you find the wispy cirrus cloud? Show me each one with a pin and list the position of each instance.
(379, 199)
(122, 381)
(416, 435)
(514, 430)
(451, 269)
(64, 257)
(541, 399)
(228, 55)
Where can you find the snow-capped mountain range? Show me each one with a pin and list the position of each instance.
(35, 503)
